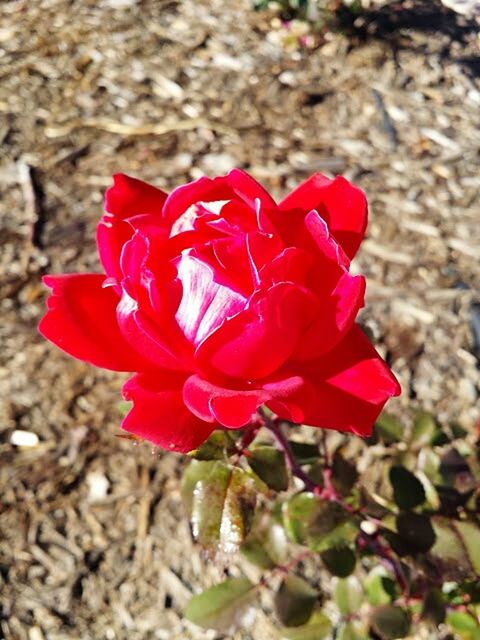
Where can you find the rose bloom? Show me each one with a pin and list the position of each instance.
(220, 301)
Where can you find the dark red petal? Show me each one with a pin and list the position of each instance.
(345, 390)
(231, 407)
(334, 319)
(255, 342)
(128, 197)
(342, 205)
(81, 320)
(159, 414)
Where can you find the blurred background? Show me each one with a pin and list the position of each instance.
(94, 542)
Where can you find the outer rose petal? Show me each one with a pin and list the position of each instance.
(81, 320)
(249, 190)
(202, 190)
(342, 205)
(236, 184)
(128, 197)
(233, 408)
(160, 415)
(344, 390)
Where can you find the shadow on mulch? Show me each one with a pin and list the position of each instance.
(390, 22)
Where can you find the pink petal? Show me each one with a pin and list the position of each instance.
(257, 341)
(127, 197)
(81, 320)
(342, 205)
(159, 414)
(205, 303)
(233, 408)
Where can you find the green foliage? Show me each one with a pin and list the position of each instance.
(399, 541)
(408, 491)
(221, 501)
(340, 561)
(317, 628)
(294, 601)
(222, 607)
(390, 622)
(269, 465)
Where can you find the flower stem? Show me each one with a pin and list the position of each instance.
(284, 445)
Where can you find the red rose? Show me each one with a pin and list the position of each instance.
(221, 300)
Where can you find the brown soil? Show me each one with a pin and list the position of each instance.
(166, 90)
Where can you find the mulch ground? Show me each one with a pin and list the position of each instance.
(94, 540)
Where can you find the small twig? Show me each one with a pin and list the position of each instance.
(32, 195)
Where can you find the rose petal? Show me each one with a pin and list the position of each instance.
(147, 338)
(233, 408)
(345, 390)
(81, 320)
(205, 303)
(340, 204)
(257, 341)
(202, 190)
(335, 318)
(127, 197)
(249, 190)
(159, 414)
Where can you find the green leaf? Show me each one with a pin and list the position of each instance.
(416, 531)
(297, 513)
(317, 628)
(469, 532)
(256, 553)
(389, 428)
(390, 622)
(378, 586)
(348, 595)
(193, 473)
(408, 491)
(424, 429)
(464, 624)
(218, 447)
(344, 473)
(331, 526)
(340, 561)
(269, 465)
(221, 500)
(434, 607)
(294, 601)
(350, 631)
(456, 551)
(223, 607)
(124, 407)
(304, 452)
(238, 510)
